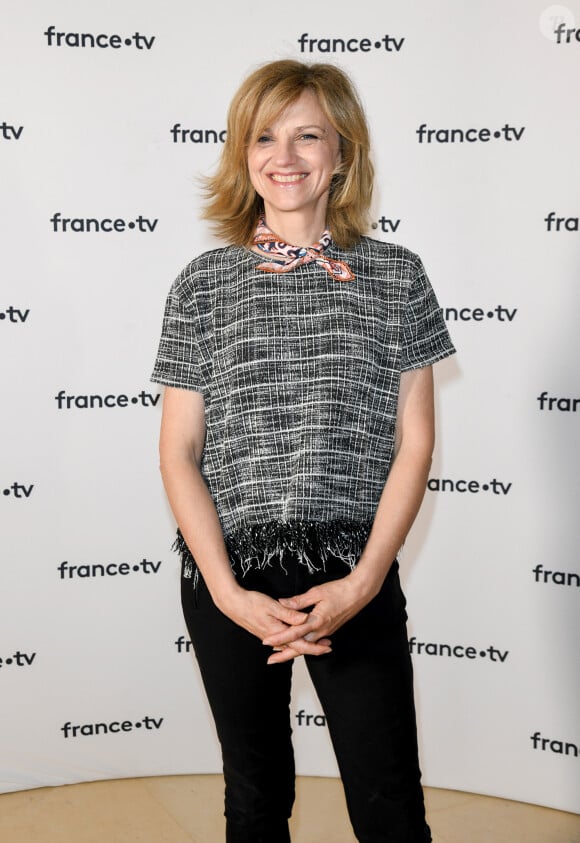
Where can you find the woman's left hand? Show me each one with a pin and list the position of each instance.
(333, 604)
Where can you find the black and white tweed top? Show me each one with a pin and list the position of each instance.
(300, 375)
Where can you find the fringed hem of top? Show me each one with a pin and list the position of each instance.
(310, 543)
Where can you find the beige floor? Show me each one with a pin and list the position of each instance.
(182, 809)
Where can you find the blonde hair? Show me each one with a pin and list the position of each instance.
(233, 205)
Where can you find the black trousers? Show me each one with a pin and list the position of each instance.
(365, 687)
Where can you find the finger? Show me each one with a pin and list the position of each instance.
(286, 636)
(306, 648)
(299, 601)
(289, 615)
(311, 648)
(323, 642)
(287, 653)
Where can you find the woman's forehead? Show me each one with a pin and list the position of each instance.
(303, 107)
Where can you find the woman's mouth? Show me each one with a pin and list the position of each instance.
(287, 179)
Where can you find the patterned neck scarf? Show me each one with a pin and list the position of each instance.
(286, 258)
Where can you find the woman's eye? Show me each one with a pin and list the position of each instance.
(264, 139)
(308, 136)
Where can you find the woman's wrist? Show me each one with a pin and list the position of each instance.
(226, 595)
(366, 580)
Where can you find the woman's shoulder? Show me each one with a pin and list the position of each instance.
(207, 270)
(394, 258)
(383, 250)
(214, 261)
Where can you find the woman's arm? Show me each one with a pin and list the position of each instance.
(181, 448)
(336, 602)
(407, 481)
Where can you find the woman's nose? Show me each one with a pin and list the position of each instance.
(284, 152)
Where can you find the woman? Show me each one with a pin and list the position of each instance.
(295, 447)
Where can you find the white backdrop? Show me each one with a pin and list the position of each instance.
(96, 678)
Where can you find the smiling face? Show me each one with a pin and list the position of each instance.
(291, 164)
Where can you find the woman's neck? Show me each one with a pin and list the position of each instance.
(295, 230)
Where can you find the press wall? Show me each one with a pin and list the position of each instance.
(110, 113)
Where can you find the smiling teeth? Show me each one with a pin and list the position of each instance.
(277, 177)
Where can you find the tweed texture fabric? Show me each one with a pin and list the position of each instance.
(300, 376)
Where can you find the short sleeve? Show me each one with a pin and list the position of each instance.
(180, 358)
(425, 336)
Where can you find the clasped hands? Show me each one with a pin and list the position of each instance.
(298, 625)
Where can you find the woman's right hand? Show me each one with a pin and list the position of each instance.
(263, 616)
